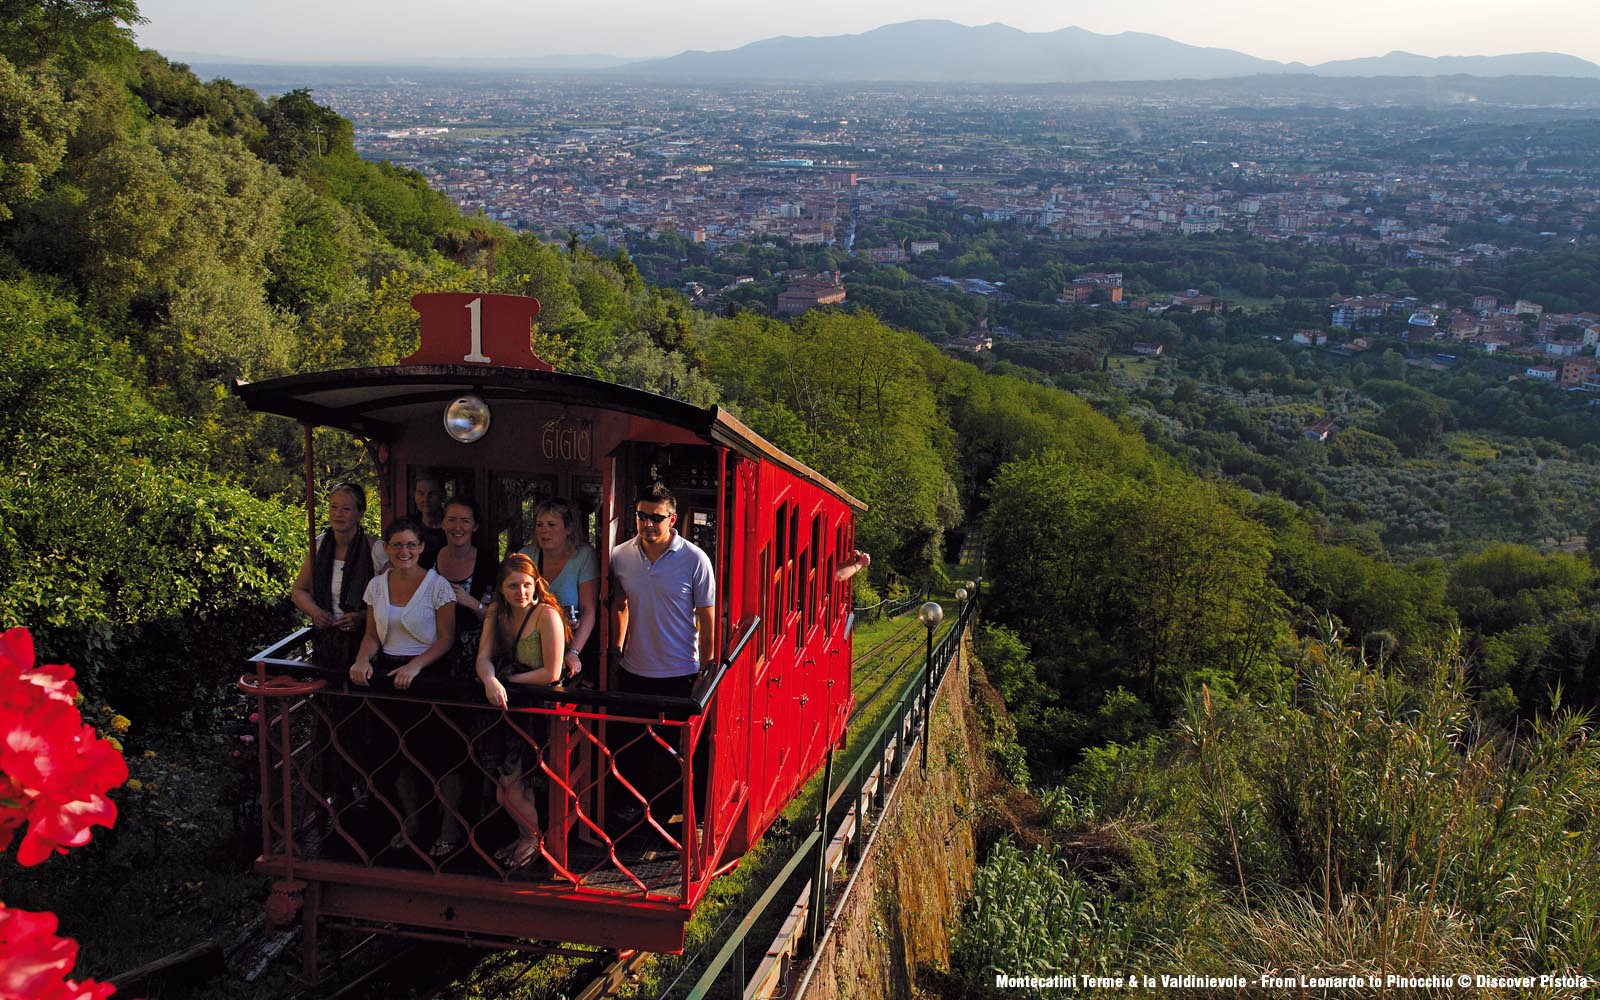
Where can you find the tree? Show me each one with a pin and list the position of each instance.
(634, 360)
(1355, 446)
(1365, 593)
(174, 93)
(1145, 584)
(1196, 571)
(321, 252)
(625, 266)
(528, 266)
(1413, 425)
(181, 227)
(108, 513)
(851, 398)
(1392, 365)
(34, 125)
(73, 33)
(1504, 585)
(300, 131)
(671, 324)
(404, 208)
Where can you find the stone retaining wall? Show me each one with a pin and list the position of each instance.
(910, 889)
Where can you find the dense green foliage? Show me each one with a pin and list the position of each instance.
(1358, 822)
(87, 459)
(110, 521)
(1032, 916)
(850, 397)
(1128, 591)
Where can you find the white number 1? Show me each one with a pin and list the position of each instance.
(475, 307)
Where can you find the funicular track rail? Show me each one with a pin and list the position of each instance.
(877, 668)
(379, 963)
(888, 661)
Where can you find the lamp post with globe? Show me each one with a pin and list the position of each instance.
(931, 615)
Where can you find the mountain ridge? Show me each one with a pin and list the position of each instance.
(938, 51)
(931, 51)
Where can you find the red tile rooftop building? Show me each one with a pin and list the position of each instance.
(809, 293)
(1576, 371)
(1199, 303)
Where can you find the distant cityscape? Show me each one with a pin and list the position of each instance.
(807, 165)
(621, 165)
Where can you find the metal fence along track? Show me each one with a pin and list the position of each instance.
(852, 803)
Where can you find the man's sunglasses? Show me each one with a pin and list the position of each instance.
(645, 515)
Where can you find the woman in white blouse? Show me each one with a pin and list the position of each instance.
(413, 620)
(411, 624)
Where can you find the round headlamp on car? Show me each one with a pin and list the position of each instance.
(466, 419)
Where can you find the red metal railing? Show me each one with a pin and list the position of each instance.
(425, 785)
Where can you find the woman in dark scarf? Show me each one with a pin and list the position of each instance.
(333, 577)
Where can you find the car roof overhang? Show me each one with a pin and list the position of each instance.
(375, 402)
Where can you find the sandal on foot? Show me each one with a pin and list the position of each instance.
(444, 847)
(518, 854)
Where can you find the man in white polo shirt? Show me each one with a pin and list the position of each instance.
(663, 599)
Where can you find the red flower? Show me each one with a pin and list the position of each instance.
(13, 809)
(16, 648)
(54, 770)
(34, 962)
(55, 773)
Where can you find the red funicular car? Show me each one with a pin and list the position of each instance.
(479, 410)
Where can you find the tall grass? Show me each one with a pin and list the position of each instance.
(1031, 916)
(1363, 822)
(1381, 787)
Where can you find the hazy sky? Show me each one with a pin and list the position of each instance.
(381, 30)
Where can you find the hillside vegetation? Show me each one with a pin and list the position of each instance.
(1359, 823)
(161, 236)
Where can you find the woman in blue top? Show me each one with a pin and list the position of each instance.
(571, 570)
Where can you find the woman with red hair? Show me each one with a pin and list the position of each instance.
(525, 635)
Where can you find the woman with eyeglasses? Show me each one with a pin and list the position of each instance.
(411, 624)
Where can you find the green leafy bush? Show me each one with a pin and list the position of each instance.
(111, 525)
(1031, 916)
(1365, 822)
